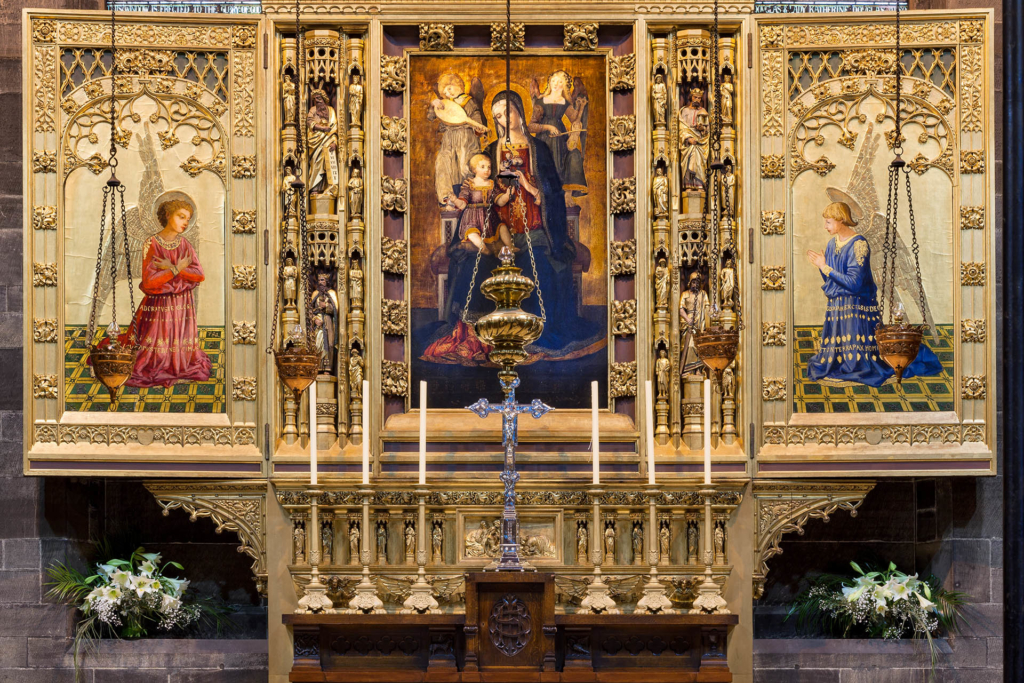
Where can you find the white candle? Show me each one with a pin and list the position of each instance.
(595, 437)
(423, 433)
(312, 433)
(707, 431)
(650, 431)
(366, 432)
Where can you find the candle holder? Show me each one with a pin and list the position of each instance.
(654, 600)
(421, 600)
(598, 599)
(314, 599)
(366, 600)
(709, 598)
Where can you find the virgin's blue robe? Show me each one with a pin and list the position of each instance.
(848, 352)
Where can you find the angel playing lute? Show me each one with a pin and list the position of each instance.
(461, 124)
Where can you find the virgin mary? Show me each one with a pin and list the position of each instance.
(536, 218)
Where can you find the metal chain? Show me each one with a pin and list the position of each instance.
(472, 285)
(536, 280)
(897, 142)
(99, 263)
(894, 175)
(886, 255)
(113, 256)
(127, 265)
(914, 245)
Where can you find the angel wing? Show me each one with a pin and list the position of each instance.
(478, 95)
(862, 189)
(684, 589)
(448, 588)
(578, 128)
(141, 223)
(535, 89)
(572, 587)
(624, 586)
(343, 586)
(395, 589)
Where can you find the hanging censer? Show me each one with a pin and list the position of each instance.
(297, 360)
(898, 341)
(113, 358)
(716, 345)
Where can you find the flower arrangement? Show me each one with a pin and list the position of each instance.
(881, 604)
(128, 598)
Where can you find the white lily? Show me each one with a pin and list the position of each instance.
(880, 606)
(121, 578)
(881, 594)
(899, 591)
(925, 602)
(169, 604)
(147, 568)
(111, 593)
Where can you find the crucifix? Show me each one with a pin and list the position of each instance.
(510, 410)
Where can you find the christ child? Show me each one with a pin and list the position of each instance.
(477, 190)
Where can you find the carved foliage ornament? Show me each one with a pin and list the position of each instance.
(44, 162)
(623, 195)
(243, 222)
(437, 37)
(771, 98)
(243, 332)
(393, 258)
(624, 317)
(972, 387)
(773, 278)
(394, 72)
(972, 274)
(622, 72)
(973, 330)
(243, 388)
(771, 36)
(580, 36)
(243, 166)
(622, 378)
(243, 277)
(773, 333)
(44, 330)
(44, 386)
(394, 316)
(394, 378)
(623, 257)
(44, 274)
(393, 134)
(393, 194)
(44, 217)
(773, 166)
(882, 34)
(773, 222)
(622, 133)
(773, 388)
(972, 217)
(972, 161)
(44, 84)
(500, 38)
(44, 30)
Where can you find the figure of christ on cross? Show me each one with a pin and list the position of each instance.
(510, 410)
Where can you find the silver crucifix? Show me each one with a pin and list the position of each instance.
(510, 410)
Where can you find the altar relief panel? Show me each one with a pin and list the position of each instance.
(826, 138)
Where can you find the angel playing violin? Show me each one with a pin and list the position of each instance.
(559, 120)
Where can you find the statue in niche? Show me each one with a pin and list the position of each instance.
(582, 541)
(693, 314)
(693, 136)
(729, 381)
(322, 135)
(382, 542)
(299, 542)
(460, 114)
(638, 542)
(664, 538)
(659, 192)
(355, 101)
(410, 540)
(327, 540)
(291, 197)
(729, 189)
(324, 302)
(436, 542)
(727, 94)
(288, 99)
(691, 540)
(353, 543)
(662, 370)
(355, 373)
(355, 284)
(661, 283)
(289, 282)
(659, 99)
(609, 543)
(727, 284)
(355, 194)
(719, 542)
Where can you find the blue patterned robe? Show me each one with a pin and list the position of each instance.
(848, 353)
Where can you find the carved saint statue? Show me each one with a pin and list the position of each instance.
(638, 542)
(289, 282)
(410, 540)
(662, 370)
(582, 541)
(693, 318)
(729, 381)
(355, 285)
(719, 541)
(664, 538)
(729, 190)
(382, 542)
(659, 192)
(327, 540)
(661, 283)
(727, 284)
(322, 135)
(353, 543)
(609, 544)
(659, 99)
(325, 311)
(355, 194)
(355, 101)
(355, 373)
(693, 136)
(288, 98)
(299, 540)
(290, 196)
(436, 541)
(691, 541)
(727, 94)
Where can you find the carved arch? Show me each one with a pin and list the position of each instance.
(781, 507)
(233, 506)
